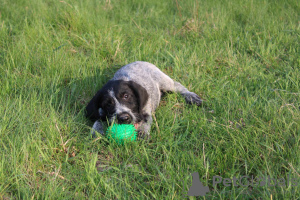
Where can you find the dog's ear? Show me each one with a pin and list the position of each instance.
(140, 93)
(93, 107)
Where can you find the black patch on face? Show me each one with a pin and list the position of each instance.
(140, 93)
(128, 93)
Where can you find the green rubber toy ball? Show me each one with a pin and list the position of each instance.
(121, 133)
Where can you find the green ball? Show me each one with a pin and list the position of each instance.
(121, 133)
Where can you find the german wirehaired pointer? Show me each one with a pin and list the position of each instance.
(132, 95)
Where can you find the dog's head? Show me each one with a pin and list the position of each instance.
(118, 100)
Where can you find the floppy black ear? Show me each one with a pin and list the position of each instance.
(92, 109)
(141, 94)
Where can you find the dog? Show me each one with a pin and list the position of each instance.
(131, 97)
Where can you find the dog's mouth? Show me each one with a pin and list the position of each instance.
(136, 125)
(125, 118)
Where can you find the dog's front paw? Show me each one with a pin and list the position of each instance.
(144, 132)
(192, 98)
(97, 127)
(141, 135)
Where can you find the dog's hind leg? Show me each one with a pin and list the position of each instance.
(166, 84)
(190, 97)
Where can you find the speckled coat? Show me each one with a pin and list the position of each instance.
(154, 81)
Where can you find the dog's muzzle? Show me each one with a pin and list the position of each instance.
(124, 118)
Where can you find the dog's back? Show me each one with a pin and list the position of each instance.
(148, 76)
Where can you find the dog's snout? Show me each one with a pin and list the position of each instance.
(124, 118)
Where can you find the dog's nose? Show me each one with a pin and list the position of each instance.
(124, 118)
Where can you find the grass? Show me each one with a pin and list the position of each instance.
(241, 57)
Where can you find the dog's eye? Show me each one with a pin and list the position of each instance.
(125, 96)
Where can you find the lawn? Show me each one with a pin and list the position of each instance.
(241, 57)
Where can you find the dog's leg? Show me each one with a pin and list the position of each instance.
(147, 125)
(190, 97)
(97, 127)
(166, 84)
(144, 126)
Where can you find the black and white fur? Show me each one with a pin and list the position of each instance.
(132, 95)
